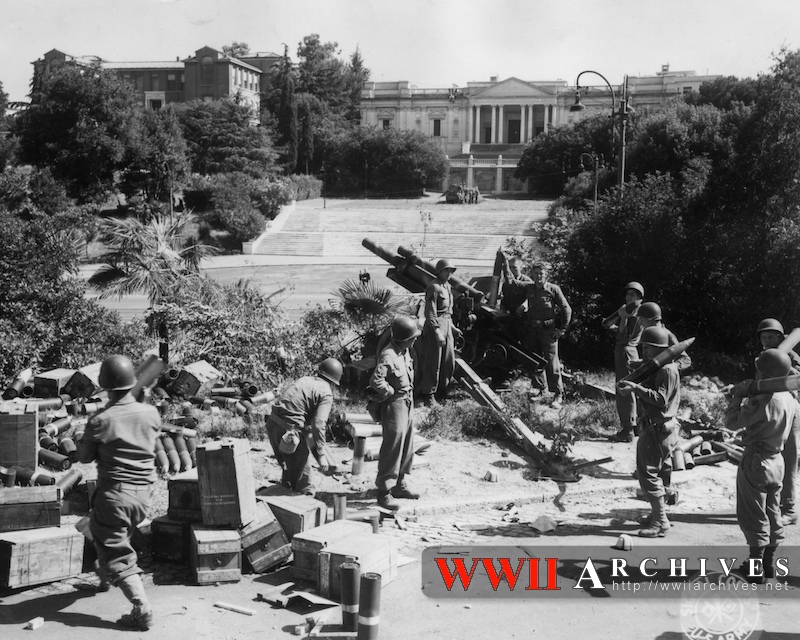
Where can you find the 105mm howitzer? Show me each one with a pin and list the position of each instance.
(491, 336)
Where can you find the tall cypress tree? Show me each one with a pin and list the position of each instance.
(287, 114)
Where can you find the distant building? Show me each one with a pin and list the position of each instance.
(483, 128)
(206, 75)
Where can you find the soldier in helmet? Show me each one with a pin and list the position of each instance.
(627, 330)
(437, 351)
(766, 419)
(658, 397)
(547, 314)
(296, 426)
(650, 316)
(393, 382)
(770, 335)
(121, 439)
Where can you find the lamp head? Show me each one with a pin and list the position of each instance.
(577, 106)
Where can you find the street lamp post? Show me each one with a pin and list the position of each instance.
(624, 110)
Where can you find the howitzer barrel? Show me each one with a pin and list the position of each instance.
(669, 354)
(458, 285)
(388, 256)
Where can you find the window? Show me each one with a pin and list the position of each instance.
(172, 83)
(140, 82)
(687, 89)
(206, 71)
(155, 105)
(437, 128)
(154, 82)
(386, 123)
(183, 82)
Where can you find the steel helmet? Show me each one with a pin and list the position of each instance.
(769, 324)
(655, 337)
(638, 288)
(774, 363)
(650, 311)
(404, 328)
(443, 264)
(331, 369)
(117, 374)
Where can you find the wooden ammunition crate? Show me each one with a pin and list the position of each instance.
(375, 553)
(227, 487)
(195, 379)
(184, 497)
(297, 513)
(50, 384)
(170, 540)
(84, 382)
(19, 435)
(37, 556)
(216, 554)
(30, 508)
(264, 544)
(306, 545)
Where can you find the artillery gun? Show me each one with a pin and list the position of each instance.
(491, 336)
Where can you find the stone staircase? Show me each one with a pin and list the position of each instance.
(455, 232)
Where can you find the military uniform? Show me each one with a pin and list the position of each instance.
(629, 331)
(121, 438)
(548, 311)
(658, 430)
(303, 407)
(392, 380)
(767, 420)
(437, 362)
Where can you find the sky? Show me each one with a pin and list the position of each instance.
(430, 43)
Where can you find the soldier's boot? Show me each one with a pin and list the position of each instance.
(788, 513)
(659, 524)
(141, 616)
(401, 490)
(623, 435)
(757, 577)
(386, 501)
(769, 561)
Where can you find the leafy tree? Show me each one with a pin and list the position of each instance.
(7, 143)
(157, 159)
(321, 73)
(395, 162)
(220, 139)
(236, 49)
(79, 125)
(724, 92)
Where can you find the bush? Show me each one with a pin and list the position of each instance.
(305, 187)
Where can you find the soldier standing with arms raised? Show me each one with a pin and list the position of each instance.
(393, 381)
(547, 314)
(121, 438)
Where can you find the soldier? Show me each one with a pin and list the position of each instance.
(628, 331)
(437, 353)
(548, 314)
(766, 419)
(515, 283)
(770, 335)
(650, 316)
(393, 381)
(658, 397)
(296, 426)
(121, 438)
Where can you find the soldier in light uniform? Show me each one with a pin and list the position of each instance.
(766, 419)
(393, 382)
(122, 439)
(658, 397)
(770, 335)
(297, 426)
(437, 349)
(547, 314)
(628, 331)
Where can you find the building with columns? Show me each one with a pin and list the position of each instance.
(483, 128)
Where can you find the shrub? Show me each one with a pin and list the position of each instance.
(305, 187)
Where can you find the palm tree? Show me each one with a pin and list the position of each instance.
(156, 257)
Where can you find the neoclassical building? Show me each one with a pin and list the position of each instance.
(484, 127)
